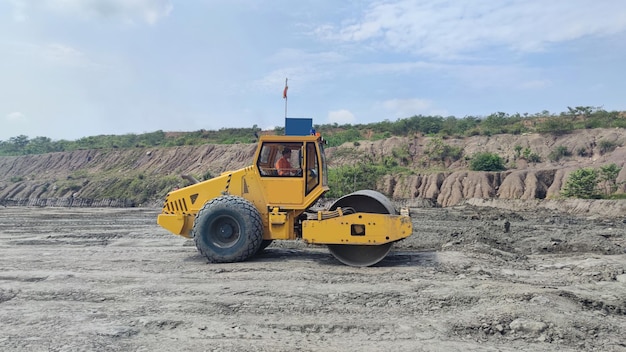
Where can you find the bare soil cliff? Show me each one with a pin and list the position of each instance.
(523, 180)
(102, 177)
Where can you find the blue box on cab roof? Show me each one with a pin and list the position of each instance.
(298, 127)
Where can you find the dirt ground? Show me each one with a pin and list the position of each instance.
(76, 279)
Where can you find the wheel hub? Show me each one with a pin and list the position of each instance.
(226, 232)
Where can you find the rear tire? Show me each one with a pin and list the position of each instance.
(228, 229)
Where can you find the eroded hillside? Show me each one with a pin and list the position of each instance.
(145, 175)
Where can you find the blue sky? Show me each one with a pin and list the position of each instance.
(75, 68)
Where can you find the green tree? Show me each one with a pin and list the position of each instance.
(486, 162)
(531, 156)
(581, 183)
(439, 151)
(558, 153)
(494, 123)
(585, 111)
(430, 124)
(608, 177)
(607, 146)
(349, 135)
(17, 145)
(39, 145)
(518, 150)
(465, 125)
(347, 179)
(556, 125)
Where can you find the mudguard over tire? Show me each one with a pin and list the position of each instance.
(228, 229)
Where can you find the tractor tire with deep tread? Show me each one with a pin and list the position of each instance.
(228, 229)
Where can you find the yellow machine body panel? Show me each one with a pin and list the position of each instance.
(358, 228)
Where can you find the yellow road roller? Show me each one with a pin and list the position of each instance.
(233, 216)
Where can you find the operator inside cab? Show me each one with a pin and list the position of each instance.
(283, 166)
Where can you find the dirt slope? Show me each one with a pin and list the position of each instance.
(523, 180)
(87, 175)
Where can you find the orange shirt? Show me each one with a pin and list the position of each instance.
(283, 166)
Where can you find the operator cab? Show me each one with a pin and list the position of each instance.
(290, 170)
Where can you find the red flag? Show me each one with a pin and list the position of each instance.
(285, 91)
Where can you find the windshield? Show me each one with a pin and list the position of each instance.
(280, 159)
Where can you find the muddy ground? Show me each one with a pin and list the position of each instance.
(112, 280)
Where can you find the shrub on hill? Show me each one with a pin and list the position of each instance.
(582, 183)
(486, 162)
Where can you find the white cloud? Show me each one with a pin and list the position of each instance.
(149, 11)
(500, 76)
(445, 29)
(298, 76)
(303, 57)
(398, 67)
(55, 53)
(400, 108)
(62, 53)
(535, 84)
(19, 11)
(300, 67)
(15, 116)
(341, 117)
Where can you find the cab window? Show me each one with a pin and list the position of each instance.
(312, 168)
(270, 163)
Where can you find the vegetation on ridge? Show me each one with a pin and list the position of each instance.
(581, 117)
